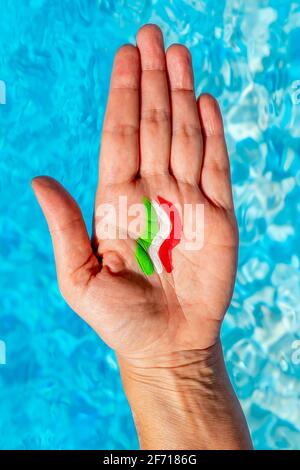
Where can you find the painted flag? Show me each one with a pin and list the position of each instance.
(162, 233)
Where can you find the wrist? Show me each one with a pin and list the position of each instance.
(173, 372)
(178, 401)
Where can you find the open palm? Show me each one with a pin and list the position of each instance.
(157, 141)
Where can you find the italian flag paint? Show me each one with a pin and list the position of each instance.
(162, 233)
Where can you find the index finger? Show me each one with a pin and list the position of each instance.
(119, 155)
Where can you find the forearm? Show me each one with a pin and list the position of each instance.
(185, 401)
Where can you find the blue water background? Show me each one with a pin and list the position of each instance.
(60, 387)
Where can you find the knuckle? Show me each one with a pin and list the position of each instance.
(186, 131)
(120, 130)
(155, 115)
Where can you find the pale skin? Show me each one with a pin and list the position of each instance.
(158, 139)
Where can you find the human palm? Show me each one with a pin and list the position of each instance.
(157, 141)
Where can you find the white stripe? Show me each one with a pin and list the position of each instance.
(163, 233)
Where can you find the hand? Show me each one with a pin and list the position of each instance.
(158, 142)
(147, 150)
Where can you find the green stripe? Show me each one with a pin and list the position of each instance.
(143, 243)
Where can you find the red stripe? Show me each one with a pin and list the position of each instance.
(165, 251)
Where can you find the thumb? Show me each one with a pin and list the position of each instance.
(75, 260)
